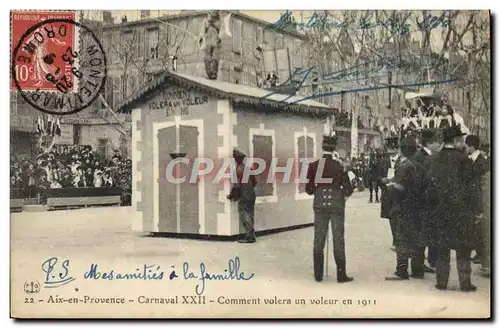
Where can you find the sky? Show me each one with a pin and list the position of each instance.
(268, 15)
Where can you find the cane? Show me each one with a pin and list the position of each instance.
(327, 248)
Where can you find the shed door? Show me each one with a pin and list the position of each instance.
(167, 195)
(178, 203)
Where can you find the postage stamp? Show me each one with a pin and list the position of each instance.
(51, 69)
(251, 164)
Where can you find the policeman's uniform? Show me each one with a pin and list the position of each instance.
(329, 206)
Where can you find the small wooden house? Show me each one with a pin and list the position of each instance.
(181, 115)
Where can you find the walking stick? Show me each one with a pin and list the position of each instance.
(327, 248)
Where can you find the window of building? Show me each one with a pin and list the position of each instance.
(237, 36)
(107, 40)
(129, 44)
(13, 102)
(102, 147)
(305, 150)
(152, 43)
(262, 145)
(115, 47)
(139, 36)
(259, 35)
(246, 78)
(297, 56)
(280, 41)
(236, 76)
(124, 85)
(110, 93)
(117, 92)
(77, 134)
(132, 83)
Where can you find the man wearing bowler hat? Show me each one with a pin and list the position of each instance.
(407, 198)
(453, 214)
(244, 193)
(330, 185)
(431, 142)
(391, 162)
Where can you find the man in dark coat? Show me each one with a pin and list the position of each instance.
(407, 195)
(451, 172)
(479, 169)
(244, 193)
(375, 171)
(431, 142)
(330, 185)
(389, 165)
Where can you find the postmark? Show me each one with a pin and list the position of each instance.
(65, 78)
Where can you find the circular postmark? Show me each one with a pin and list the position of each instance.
(31, 287)
(49, 72)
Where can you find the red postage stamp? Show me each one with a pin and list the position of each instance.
(36, 58)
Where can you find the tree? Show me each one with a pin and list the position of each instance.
(387, 49)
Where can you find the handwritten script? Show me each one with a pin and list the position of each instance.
(397, 25)
(365, 71)
(57, 273)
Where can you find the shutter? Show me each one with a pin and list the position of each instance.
(301, 154)
(260, 36)
(117, 95)
(263, 149)
(297, 58)
(309, 148)
(237, 37)
(269, 61)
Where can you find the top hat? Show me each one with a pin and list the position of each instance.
(427, 134)
(329, 143)
(449, 133)
(409, 142)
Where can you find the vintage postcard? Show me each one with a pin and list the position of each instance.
(250, 164)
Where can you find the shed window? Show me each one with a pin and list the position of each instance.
(304, 151)
(263, 149)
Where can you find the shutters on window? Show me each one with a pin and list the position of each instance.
(237, 37)
(263, 149)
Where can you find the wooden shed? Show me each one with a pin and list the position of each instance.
(180, 115)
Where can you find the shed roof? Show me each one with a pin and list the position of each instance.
(235, 92)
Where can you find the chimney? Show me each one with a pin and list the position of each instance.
(107, 17)
(145, 14)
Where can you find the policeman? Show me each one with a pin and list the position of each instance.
(330, 185)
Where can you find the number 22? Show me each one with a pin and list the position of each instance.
(29, 300)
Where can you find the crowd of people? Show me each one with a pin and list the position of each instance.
(344, 119)
(70, 166)
(436, 196)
